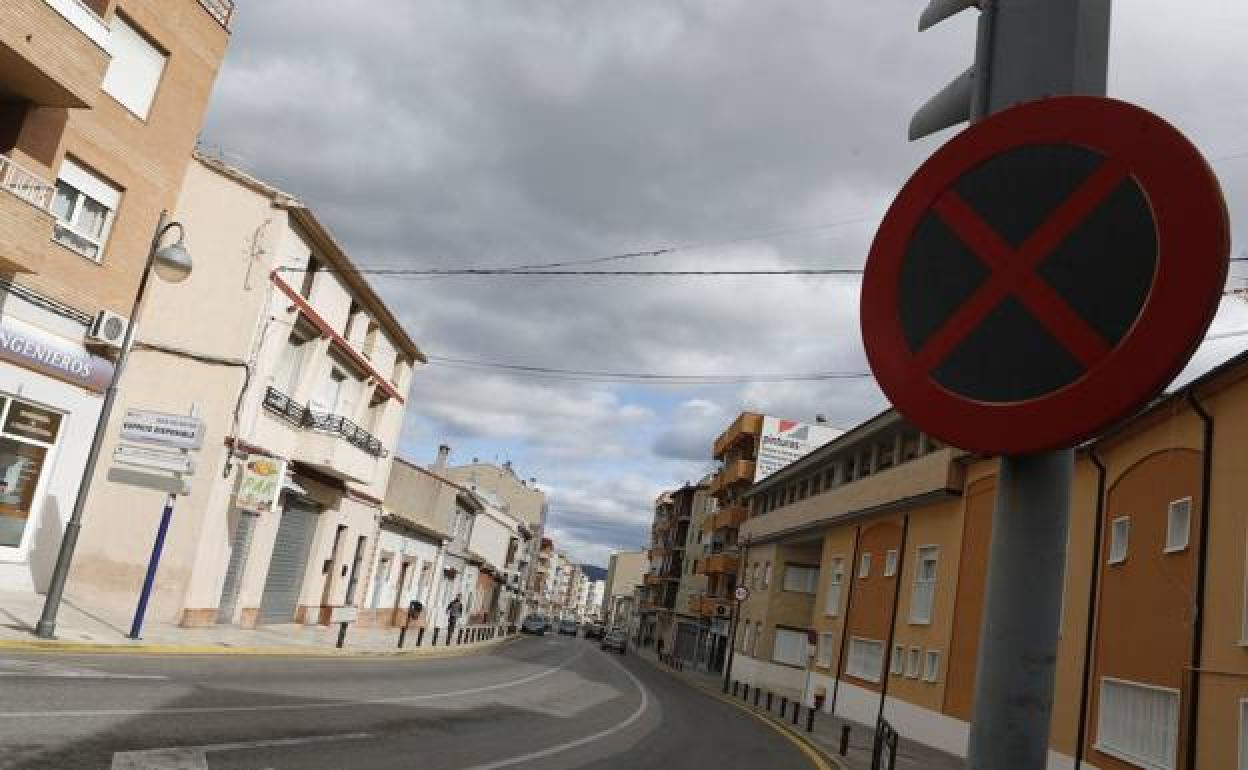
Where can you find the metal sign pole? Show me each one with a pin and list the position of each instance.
(136, 628)
(1030, 50)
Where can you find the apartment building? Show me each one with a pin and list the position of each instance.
(625, 571)
(103, 101)
(690, 629)
(1152, 671)
(305, 377)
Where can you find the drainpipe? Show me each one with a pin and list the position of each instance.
(1198, 624)
(1098, 531)
(850, 573)
(892, 628)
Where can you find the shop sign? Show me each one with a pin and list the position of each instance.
(261, 484)
(41, 351)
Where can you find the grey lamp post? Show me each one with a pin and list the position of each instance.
(173, 264)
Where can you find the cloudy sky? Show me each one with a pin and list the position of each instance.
(443, 133)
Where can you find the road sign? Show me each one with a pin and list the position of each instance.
(178, 431)
(741, 593)
(170, 484)
(154, 459)
(1044, 274)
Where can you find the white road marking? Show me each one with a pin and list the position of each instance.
(158, 711)
(32, 669)
(196, 757)
(562, 747)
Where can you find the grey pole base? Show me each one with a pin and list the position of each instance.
(1022, 613)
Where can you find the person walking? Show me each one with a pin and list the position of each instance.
(453, 611)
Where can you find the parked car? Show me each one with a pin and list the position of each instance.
(567, 627)
(535, 624)
(595, 631)
(615, 640)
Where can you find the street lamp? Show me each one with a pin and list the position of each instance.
(173, 264)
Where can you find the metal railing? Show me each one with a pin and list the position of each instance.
(306, 417)
(221, 10)
(24, 184)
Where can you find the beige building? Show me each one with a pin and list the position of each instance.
(519, 497)
(103, 101)
(625, 571)
(296, 368)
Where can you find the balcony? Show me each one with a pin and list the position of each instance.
(728, 518)
(719, 564)
(52, 52)
(221, 10)
(651, 579)
(747, 426)
(331, 443)
(733, 473)
(25, 222)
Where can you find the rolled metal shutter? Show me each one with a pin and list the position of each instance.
(286, 566)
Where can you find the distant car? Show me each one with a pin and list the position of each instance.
(615, 640)
(595, 631)
(534, 624)
(567, 627)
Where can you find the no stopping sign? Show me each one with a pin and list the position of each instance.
(1044, 274)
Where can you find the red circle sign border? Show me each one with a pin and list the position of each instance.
(1191, 219)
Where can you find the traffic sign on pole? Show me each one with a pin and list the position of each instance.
(1044, 274)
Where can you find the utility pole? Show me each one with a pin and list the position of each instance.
(1025, 50)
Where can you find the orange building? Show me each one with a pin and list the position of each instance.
(1152, 668)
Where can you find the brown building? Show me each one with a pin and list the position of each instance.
(101, 103)
(1152, 669)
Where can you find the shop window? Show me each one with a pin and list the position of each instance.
(1138, 723)
(25, 443)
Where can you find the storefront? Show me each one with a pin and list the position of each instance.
(50, 398)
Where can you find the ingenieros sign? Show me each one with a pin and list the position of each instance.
(41, 351)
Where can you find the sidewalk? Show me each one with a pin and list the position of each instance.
(827, 733)
(78, 629)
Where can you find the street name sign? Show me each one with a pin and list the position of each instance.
(177, 431)
(1044, 274)
(154, 459)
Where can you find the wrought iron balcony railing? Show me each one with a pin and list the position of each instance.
(306, 417)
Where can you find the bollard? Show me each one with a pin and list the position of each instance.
(402, 635)
(420, 636)
(745, 694)
(342, 634)
(810, 720)
(769, 700)
(734, 688)
(756, 691)
(784, 706)
(436, 631)
(797, 708)
(844, 740)
(459, 638)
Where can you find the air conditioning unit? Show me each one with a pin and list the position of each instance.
(107, 330)
(721, 610)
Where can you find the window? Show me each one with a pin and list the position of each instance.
(866, 659)
(754, 576)
(924, 586)
(912, 663)
(890, 563)
(767, 575)
(1178, 525)
(826, 643)
(832, 602)
(801, 579)
(899, 660)
(816, 484)
(1138, 723)
(84, 207)
(758, 634)
(801, 489)
(290, 365)
(135, 68)
(789, 647)
(29, 433)
(1120, 532)
(864, 566)
(931, 672)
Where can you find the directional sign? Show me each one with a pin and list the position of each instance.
(1043, 275)
(154, 459)
(178, 431)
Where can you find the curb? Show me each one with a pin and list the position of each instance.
(816, 753)
(42, 645)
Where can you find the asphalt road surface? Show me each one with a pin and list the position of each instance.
(549, 702)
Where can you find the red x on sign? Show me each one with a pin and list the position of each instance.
(1044, 274)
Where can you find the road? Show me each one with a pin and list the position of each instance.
(539, 702)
